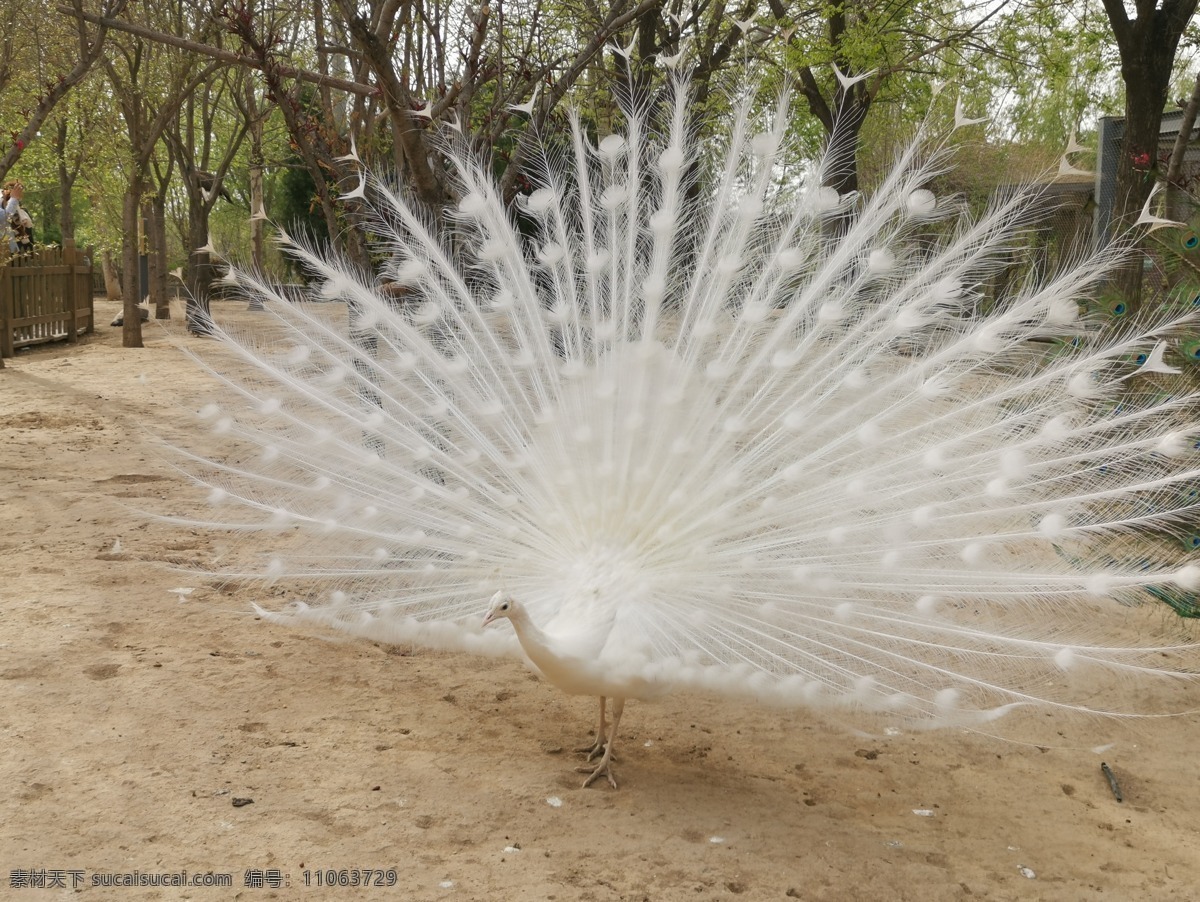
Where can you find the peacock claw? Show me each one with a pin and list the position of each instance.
(605, 768)
(592, 751)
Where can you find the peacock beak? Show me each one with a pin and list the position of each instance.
(493, 610)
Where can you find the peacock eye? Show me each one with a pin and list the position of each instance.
(504, 607)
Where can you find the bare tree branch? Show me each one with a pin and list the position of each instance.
(228, 56)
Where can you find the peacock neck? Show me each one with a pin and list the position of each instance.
(569, 674)
(532, 639)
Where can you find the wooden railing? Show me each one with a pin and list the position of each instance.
(45, 295)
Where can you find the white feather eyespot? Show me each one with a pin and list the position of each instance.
(472, 204)
(671, 159)
(614, 196)
(755, 313)
(551, 254)
(494, 250)
(822, 200)
(542, 200)
(411, 271)
(750, 208)
(299, 354)
(790, 258)
(662, 222)
(881, 261)
(612, 145)
(921, 202)
(764, 144)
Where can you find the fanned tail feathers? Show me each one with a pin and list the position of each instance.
(788, 442)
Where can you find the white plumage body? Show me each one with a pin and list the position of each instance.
(715, 444)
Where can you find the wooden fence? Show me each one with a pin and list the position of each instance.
(45, 296)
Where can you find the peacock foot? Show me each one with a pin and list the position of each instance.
(604, 768)
(591, 752)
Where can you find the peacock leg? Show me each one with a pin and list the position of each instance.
(605, 765)
(598, 746)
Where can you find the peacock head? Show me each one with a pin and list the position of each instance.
(501, 605)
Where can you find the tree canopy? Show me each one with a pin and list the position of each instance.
(191, 123)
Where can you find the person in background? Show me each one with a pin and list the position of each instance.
(5, 198)
(16, 221)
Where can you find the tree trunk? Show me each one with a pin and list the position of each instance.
(257, 201)
(841, 154)
(112, 279)
(840, 170)
(1135, 173)
(201, 271)
(131, 333)
(66, 180)
(1147, 46)
(1176, 208)
(155, 285)
(162, 309)
(1139, 147)
(66, 216)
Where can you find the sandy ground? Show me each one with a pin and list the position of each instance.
(135, 725)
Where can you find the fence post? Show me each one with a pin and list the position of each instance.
(6, 312)
(68, 259)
